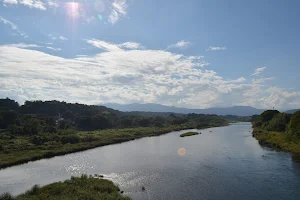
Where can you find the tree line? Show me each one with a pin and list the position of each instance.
(273, 120)
(35, 117)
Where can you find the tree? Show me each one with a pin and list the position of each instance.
(294, 126)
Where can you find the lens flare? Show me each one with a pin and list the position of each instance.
(72, 9)
(182, 151)
(100, 17)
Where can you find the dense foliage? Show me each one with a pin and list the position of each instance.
(294, 125)
(83, 188)
(277, 129)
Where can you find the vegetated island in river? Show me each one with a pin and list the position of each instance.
(40, 129)
(83, 187)
(189, 134)
(278, 130)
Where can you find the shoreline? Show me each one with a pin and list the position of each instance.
(277, 141)
(82, 146)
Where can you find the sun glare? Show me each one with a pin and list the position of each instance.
(73, 9)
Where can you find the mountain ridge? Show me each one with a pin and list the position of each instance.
(152, 107)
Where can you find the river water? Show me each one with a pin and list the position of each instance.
(221, 163)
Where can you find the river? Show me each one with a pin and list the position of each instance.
(221, 163)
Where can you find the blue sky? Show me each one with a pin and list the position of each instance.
(194, 53)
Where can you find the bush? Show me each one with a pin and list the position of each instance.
(278, 123)
(268, 115)
(294, 126)
(69, 131)
(33, 191)
(72, 139)
(6, 196)
(89, 138)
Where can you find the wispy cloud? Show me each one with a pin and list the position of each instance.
(216, 48)
(104, 45)
(131, 45)
(23, 45)
(55, 36)
(33, 4)
(262, 80)
(13, 26)
(54, 49)
(10, 1)
(62, 38)
(258, 71)
(180, 44)
(90, 19)
(119, 8)
(53, 4)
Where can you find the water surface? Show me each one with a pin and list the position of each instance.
(221, 163)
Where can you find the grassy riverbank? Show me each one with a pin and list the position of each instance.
(189, 134)
(277, 140)
(19, 149)
(279, 130)
(75, 188)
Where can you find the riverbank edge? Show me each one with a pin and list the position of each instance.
(277, 141)
(188, 134)
(89, 187)
(92, 145)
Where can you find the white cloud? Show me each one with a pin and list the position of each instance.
(216, 49)
(180, 44)
(239, 80)
(10, 1)
(131, 45)
(33, 4)
(63, 38)
(54, 49)
(104, 45)
(23, 45)
(53, 4)
(55, 36)
(129, 75)
(13, 26)
(262, 80)
(119, 8)
(113, 17)
(90, 19)
(258, 71)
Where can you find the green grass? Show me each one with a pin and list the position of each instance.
(189, 134)
(81, 188)
(20, 149)
(278, 140)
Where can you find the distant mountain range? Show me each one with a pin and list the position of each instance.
(150, 107)
(291, 111)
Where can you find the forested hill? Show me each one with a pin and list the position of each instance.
(49, 115)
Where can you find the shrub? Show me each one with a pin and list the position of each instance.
(278, 122)
(6, 196)
(294, 126)
(73, 139)
(268, 115)
(34, 190)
